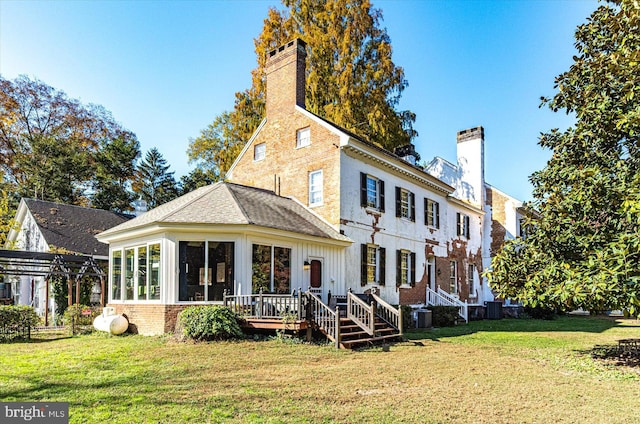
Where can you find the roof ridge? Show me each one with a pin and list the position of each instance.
(239, 204)
(30, 199)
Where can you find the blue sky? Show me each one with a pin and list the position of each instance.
(166, 69)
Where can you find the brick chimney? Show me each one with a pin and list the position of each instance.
(470, 151)
(285, 69)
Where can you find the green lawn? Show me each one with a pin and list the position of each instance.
(511, 371)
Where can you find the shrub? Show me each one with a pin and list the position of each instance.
(17, 321)
(209, 323)
(76, 316)
(407, 317)
(540, 312)
(444, 316)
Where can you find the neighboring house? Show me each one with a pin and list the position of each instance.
(53, 227)
(222, 237)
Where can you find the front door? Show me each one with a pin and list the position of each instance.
(315, 280)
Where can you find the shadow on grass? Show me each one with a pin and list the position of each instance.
(587, 324)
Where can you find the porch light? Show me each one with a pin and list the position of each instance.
(306, 266)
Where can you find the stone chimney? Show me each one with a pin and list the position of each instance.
(470, 152)
(285, 69)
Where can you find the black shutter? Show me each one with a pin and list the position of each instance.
(437, 212)
(412, 281)
(426, 211)
(412, 201)
(363, 189)
(466, 226)
(398, 268)
(382, 257)
(398, 201)
(363, 265)
(458, 229)
(381, 188)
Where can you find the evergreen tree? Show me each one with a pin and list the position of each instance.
(153, 183)
(584, 250)
(115, 171)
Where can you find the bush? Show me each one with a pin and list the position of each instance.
(444, 316)
(79, 315)
(407, 317)
(209, 323)
(16, 322)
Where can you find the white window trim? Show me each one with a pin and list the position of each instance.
(471, 280)
(320, 189)
(453, 277)
(299, 132)
(264, 152)
(377, 200)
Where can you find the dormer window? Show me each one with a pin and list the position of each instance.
(303, 137)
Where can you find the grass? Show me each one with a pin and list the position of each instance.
(515, 371)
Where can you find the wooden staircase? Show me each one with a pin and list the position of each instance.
(352, 336)
(355, 323)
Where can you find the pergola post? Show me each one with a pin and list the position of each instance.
(70, 291)
(46, 302)
(102, 288)
(78, 290)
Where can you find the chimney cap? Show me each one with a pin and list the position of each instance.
(470, 134)
(296, 42)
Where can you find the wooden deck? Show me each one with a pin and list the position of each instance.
(358, 323)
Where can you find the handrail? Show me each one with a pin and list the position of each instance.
(266, 306)
(441, 297)
(327, 319)
(361, 314)
(388, 313)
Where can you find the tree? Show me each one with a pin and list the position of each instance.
(153, 183)
(351, 79)
(584, 249)
(48, 141)
(115, 171)
(196, 179)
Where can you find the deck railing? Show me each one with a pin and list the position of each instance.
(327, 319)
(388, 313)
(360, 313)
(441, 297)
(265, 306)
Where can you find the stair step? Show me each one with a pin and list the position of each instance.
(348, 344)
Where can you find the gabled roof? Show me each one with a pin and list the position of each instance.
(226, 203)
(73, 228)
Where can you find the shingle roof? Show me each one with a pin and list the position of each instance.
(74, 228)
(226, 203)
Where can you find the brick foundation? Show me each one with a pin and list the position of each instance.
(150, 319)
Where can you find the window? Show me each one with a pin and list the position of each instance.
(140, 277)
(453, 277)
(405, 268)
(206, 270)
(271, 269)
(471, 272)
(116, 275)
(431, 213)
(405, 204)
(373, 265)
(303, 137)
(259, 151)
(462, 224)
(315, 188)
(371, 192)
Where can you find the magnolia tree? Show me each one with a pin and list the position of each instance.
(583, 250)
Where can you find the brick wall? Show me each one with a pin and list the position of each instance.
(149, 319)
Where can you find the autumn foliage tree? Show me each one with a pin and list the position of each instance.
(584, 249)
(50, 145)
(351, 79)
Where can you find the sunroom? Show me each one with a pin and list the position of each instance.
(222, 238)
